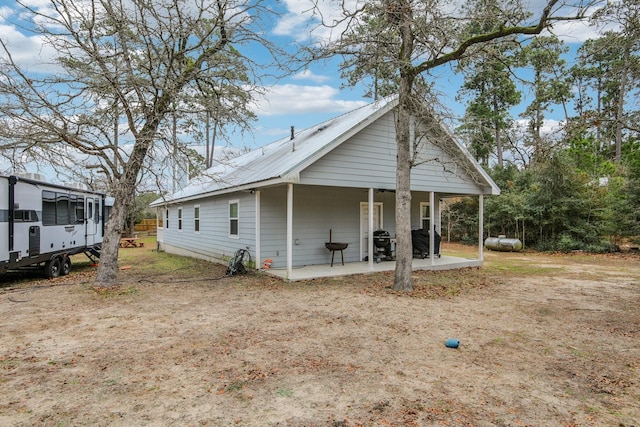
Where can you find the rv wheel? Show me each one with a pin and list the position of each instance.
(52, 268)
(65, 268)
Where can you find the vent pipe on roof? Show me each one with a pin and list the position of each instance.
(293, 145)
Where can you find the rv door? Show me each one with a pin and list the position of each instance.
(92, 210)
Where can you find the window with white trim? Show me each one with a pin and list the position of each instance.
(234, 216)
(196, 218)
(179, 218)
(425, 215)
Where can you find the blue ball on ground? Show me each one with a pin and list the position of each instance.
(452, 343)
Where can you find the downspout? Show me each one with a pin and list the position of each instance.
(370, 230)
(480, 227)
(289, 230)
(12, 198)
(258, 243)
(432, 225)
(158, 214)
(105, 217)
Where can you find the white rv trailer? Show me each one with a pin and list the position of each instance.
(42, 224)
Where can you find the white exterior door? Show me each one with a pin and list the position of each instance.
(364, 225)
(92, 212)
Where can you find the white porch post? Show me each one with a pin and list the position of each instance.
(289, 229)
(258, 262)
(432, 223)
(480, 227)
(370, 230)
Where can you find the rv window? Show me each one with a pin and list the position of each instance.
(48, 208)
(96, 215)
(78, 202)
(25, 216)
(62, 209)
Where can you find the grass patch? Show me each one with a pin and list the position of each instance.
(284, 392)
(449, 283)
(235, 386)
(149, 262)
(519, 267)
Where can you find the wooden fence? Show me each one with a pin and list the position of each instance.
(147, 225)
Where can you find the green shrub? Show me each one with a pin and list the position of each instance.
(567, 243)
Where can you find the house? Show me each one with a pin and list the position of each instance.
(331, 182)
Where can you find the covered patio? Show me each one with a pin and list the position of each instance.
(445, 262)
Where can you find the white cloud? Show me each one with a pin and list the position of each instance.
(579, 31)
(311, 76)
(291, 99)
(294, 25)
(30, 52)
(304, 19)
(550, 128)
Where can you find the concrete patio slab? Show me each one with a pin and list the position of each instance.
(325, 270)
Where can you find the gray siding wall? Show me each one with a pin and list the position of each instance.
(316, 210)
(212, 241)
(369, 158)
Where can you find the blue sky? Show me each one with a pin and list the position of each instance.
(302, 99)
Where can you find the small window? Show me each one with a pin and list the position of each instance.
(96, 213)
(166, 218)
(79, 209)
(25, 216)
(179, 218)
(425, 216)
(233, 218)
(89, 208)
(196, 219)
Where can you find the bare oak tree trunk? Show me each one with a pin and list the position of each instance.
(107, 275)
(404, 249)
(124, 194)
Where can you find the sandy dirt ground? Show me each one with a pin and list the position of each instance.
(544, 341)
